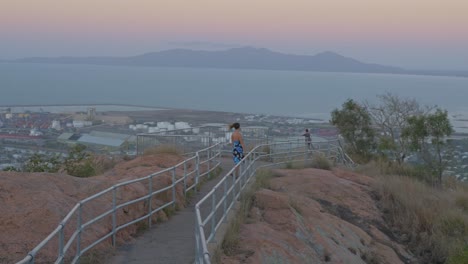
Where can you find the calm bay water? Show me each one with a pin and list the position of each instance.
(308, 94)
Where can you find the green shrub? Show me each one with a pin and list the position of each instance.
(42, 163)
(80, 163)
(459, 257)
(11, 168)
(82, 169)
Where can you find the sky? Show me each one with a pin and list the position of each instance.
(414, 34)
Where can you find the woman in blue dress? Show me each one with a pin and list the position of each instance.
(237, 143)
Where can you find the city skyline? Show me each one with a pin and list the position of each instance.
(419, 34)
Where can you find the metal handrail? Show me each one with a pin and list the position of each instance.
(208, 156)
(239, 176)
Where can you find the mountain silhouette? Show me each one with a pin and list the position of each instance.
(243, 58)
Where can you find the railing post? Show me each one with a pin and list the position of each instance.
(137, 142)
(197, 239)
(240, 170)
(78, 226)
(185, 177)
(213, 215)
(173, 187)
(290, 150)
(234, 185)
(150, 207)
(270, 151)
(220, 152)
(114, 214)
(249, 162)
(225, 201)
(61, 243)
(197, 166)
(209, 159)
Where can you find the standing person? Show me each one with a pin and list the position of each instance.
(308, 139)
(237, 143)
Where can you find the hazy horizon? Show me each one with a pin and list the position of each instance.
(421, 34)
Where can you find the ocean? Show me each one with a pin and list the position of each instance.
(286, 93)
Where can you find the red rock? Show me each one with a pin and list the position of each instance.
(33, 204)
(316, 216)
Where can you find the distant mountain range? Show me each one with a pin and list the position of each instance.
(243, 58)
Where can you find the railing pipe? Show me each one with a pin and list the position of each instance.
(150, 202)
(243, 172)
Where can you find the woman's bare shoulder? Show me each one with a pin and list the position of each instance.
(236, 135)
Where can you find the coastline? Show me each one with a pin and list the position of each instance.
(66, 108)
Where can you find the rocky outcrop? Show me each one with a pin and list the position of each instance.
(33, 204)
(316, 216)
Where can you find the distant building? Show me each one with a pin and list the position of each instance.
(81, 124)
(88, 139)
(35, 133)
(56, 125)
(91, 113)
(113, 141)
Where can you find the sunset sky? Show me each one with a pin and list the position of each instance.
(421, 34)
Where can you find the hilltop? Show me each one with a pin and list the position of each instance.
(302, 215)
(316, 216)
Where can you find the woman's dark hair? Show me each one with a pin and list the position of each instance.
(234, 125)
(307, 130)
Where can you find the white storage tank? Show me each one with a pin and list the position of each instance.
(181, 125)
(153, 129)
(163, 124)
(78, 123)
(140, 126)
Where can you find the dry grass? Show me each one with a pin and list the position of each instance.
(382, 167)
(432, 221)
(97, 256)
(163, 149)
(319, 161)
(230, 242)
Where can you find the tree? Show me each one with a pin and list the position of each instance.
(391, 118)
(79, 163)
(354, 123)
(426, 134)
